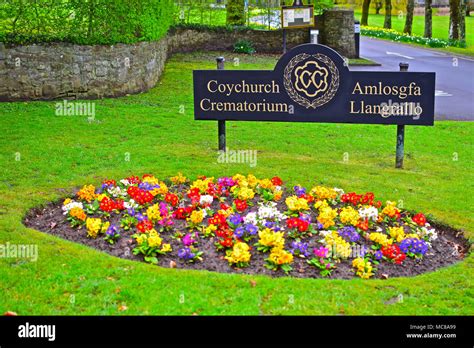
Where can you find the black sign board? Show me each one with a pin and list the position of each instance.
(312, 83)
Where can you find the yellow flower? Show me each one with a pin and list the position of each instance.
(252, 180)
(321, 204)
(93, 227)
(412, 235)
(277, 195)
(226, 212)
(101, 196)
(178, 179)
(162, 190)
(165, 248)
(321, 192)
(104, 227)
(390, 209)
(296, 204)
(266, 184)
(209, 229)
(349, 215)
(153, 213)
(380, 238)
(78, 213)
(141, 238)
(150, 179)
(196, 216)
(326, 217)
(278, 256)
(239, 254)
(271, 239)
(246, 193)
(239, 178)
(67, 201)
(397, 233)
(336, 243)
(202, 185)
(154, 240)
(363, 268)
(87, 193)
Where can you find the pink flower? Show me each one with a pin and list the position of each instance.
(322, 252)
(187, 240)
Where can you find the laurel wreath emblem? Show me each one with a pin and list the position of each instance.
(290, 88)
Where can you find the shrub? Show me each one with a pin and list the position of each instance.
(244, 46)
(85, 22)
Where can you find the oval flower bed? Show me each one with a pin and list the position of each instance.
(249, 225)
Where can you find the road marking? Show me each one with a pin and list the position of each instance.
(398, 54)
(439, 93)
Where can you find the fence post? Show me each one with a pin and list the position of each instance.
(221, 123)
(400, 132)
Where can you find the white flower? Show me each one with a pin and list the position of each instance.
(269, 211)
(339, 191)
(71, 205)
(206, 199)
(369, 212)
(125, 182)
(251, 218)
(116, 192)
(428, 232)
(130, 204)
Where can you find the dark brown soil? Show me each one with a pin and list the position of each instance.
(449, 248)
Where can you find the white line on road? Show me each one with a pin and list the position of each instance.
(439, 93)
(398, 54)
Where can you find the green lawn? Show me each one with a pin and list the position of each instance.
(59, 153)
(440, 28)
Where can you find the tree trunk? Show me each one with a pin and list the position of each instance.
(235, 12)
(387, 24)
(365, 12)
(454, 19)
(409, 18)
(428, 19)
(462, 21)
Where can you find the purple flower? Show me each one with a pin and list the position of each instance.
(112, 231)
(147, 186)
(305, 217)
(251, 229)
(235, 219)
(320, 226)
(378, 255)
(322, 252)
(349, 233)
(131, 211)
(225, 181)
(299, 190)
(187, 240)
(299, 248)
(239, 232)
(414, 245)
(185, 254)
(140, 216)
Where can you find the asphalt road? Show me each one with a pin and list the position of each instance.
(454, 75)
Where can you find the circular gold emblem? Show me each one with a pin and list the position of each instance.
(311, 80)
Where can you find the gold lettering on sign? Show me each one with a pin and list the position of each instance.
(229, 89)
(401, 92)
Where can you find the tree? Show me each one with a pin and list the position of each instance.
(428, 19)
(365, 12)
(409, 18)
(462, 20)
(454, 19)
(235, 12)
(387, 23)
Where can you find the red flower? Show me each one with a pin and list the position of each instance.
(194, 195)
(109, 182)
(364, 225)
(277, 181)
(144, 225)
(138, 195)
(133, 180)
(419, 219)
(182, 213)
(393, 252)
(240, 205)
(106, 204)
(227, 242)
(172, 199)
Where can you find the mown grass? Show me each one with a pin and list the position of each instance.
(59, 153)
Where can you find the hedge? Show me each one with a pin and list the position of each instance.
(84, 21)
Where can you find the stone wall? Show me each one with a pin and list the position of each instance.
(68, 71)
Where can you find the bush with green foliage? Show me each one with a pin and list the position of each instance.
(244, 46)
(85, 21)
